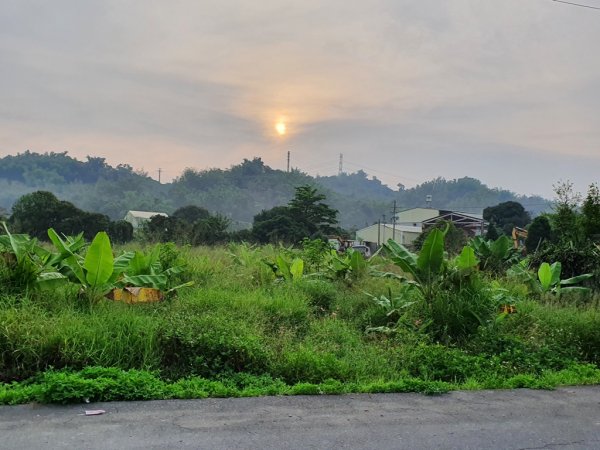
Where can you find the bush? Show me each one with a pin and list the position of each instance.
(440, 363)
(321, 294)
(456, 315)
(211, 345)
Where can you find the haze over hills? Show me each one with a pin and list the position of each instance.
(239, 192)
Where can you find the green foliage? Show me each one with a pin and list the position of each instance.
(566, 225)
(98, 262)
(349, 266)
(495, 256)
(575, 258)
(455, 238)
(539, 232)
(591, 213)
(24, 265)
(240, 192)
(209, 344)
(34, 213)
(285, 270)
(305, 216)
(238, 334)
(191, 225)
(315, 252)
(191, 214)
(507, 215)
(120, 231)
(549, 278)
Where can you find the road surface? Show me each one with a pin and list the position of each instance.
(567, 418)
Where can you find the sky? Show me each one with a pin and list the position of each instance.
(506, 91)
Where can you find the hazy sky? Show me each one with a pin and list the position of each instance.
(507, 91)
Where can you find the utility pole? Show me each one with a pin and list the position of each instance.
(341, 166)
(378, 233)
(159, 172)
(394, 222)
(288, 161)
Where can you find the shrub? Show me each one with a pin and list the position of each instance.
(321, 294)
(210, 345)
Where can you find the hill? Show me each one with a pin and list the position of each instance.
(239, 192)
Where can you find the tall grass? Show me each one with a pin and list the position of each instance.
(305, 337)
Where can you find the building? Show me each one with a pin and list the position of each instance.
(380, 233)
(138, 218)
(411, 222)
(415, 216)
(471, 224)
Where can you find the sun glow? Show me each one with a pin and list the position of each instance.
(281, 128)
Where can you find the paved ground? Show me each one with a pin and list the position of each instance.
(522, 419)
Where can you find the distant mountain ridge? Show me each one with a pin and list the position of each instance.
(239, 192)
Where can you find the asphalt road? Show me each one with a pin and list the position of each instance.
(567, 418)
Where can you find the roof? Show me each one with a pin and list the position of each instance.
(457, 218)
(417, 208)
(146, 214)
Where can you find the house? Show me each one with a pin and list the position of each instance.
(377, 234)
(138, 218)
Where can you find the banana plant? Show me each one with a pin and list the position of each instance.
(94, 271)
(285, 270)
(420, 270)
(147, 271)
(27, 269)
(425, 271)
(549, 280)
(350, 264)
(496, 255)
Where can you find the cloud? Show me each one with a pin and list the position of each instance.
(439, 88)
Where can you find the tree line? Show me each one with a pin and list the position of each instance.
(306, 215)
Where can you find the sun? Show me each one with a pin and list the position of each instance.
(281, 128)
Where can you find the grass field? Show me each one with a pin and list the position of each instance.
(243, 331)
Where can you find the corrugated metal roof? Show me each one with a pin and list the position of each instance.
(146, 214)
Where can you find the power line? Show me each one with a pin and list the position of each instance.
(577, 4)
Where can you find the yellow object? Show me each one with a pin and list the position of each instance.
(508, 309)
(519, 235)
(136, 295)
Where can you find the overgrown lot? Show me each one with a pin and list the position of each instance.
(276, 321)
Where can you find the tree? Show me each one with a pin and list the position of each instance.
(275, 225)
(84, 222)
(539, 232)
(167, 229)
(120, 231)
(36, 212)
(210, 231)
(305, 216)
(507, 215)
(492, 231)
(566, 226)
(316, 217)
(591, 213)
(191, 214)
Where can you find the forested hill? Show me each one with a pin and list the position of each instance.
(239, 192)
